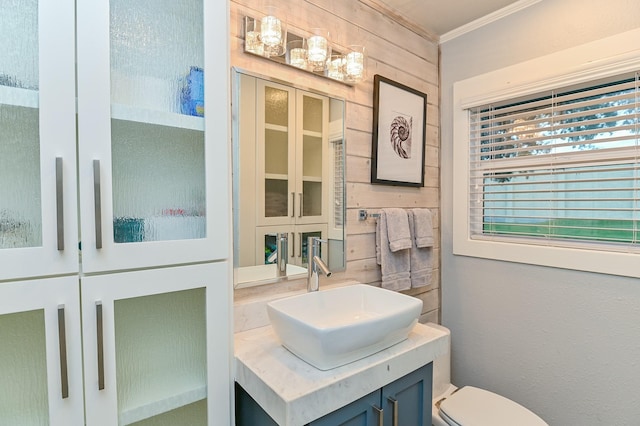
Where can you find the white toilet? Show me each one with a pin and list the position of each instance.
(470, 406)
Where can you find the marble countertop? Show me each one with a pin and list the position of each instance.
(295, 393)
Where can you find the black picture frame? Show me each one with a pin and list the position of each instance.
(399, 140)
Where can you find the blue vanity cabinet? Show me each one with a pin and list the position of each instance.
(363, 412)
(409, 398)
(406, 401)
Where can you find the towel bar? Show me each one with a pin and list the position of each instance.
(364, 215)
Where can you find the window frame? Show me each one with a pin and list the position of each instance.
(590, 62)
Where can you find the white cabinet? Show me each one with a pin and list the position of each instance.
(137, 223)
(40, 354)
(151, 178)
(38, 206)
(149, 339)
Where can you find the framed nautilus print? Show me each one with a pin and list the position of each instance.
(399, 120)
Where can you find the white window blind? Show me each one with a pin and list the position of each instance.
(559, 169)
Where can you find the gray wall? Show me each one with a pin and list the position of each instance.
(564, 343)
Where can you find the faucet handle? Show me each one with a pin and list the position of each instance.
(317, 240)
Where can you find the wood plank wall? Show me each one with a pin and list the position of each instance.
(394, 51)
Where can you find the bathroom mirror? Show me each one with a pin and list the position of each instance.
(288, 179)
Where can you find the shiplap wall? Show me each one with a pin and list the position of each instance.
(396, 52)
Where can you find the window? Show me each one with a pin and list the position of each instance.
(546, 160)
(561, 169)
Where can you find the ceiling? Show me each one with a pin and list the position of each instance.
(441, 16)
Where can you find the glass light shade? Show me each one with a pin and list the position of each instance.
(354, 64)
(318, 50)
(336, 67)
(297, 53)
(273, 32)
(252, 37)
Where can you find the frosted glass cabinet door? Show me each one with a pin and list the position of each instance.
(40, 353)
(151, 177)
(276, 192)
(37, 139)
(312, 158)
(147, 352)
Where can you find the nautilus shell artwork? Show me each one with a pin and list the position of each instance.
(401, 136)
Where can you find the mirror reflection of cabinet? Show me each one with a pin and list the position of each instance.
(291, 155)
(285, 173)
(266, 243)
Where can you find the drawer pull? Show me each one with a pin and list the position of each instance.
(380, 413)
(394, 404)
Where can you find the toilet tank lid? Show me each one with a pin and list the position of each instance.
(479, 407)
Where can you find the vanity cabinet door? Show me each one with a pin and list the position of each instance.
(407, 401)
(363, 412)
(248, 412)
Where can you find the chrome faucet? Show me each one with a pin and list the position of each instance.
(279, 255)
(316, 264)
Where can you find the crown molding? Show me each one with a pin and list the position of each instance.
(488, 19)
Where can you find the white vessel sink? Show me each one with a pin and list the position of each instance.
(334, 327)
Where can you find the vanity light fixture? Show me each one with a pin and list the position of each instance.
(267, 37)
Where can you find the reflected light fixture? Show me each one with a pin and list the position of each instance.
(318, 50)
(272, 33)
(336, 68)
(297, 53)
(253, 38)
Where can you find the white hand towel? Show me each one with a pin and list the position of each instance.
(398, 229)
(394, 265)
(423, 227)
(421, 258)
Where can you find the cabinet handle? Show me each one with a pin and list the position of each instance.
(293, 204)
(300, 205)
(293, 245)
(100, 338)
(97, 203)
(380, 413)
(394, 403)
(62, 343)
(300, 248)
(59, 204)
